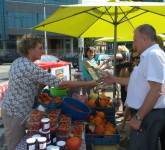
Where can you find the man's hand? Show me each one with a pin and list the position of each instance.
(108, 79)
(134, 123)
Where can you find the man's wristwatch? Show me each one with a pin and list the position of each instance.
(138, 117)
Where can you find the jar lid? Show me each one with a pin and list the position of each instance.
(42, 139)
(61, 143)
(31, 140)
(52, 147)
(45, 120)
(36, 136)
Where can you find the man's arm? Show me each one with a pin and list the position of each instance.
(110, 79)
(153, 95)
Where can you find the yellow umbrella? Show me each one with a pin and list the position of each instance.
(111, 19)
(114, 19)
(121, 39)
(104, 19)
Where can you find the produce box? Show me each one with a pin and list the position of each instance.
(48, 101)
(103, 139)
(109, 111)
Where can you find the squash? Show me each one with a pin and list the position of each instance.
(73, 143)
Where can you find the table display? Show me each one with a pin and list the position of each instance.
(98, 127)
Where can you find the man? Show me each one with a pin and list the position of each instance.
(146, 91)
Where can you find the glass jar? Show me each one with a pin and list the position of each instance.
(45, 124)
(31, 143)
(42, 143)
(47, 135)
(52, 147)
(61, 144)
(36, 136)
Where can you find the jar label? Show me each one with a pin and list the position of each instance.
(47, 126)
(49, 136)
(32, 147)
(42, 146)
(54, 140)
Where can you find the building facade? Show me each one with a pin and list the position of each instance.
(17, 17)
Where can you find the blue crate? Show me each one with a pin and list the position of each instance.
(103, 139)
(81, 114)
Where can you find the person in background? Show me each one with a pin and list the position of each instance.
(134, 61)
(24, 79)
(146, 91)
(159, 40)
(122, 69)
(89, 62)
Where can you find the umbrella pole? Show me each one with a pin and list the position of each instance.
(115, 49)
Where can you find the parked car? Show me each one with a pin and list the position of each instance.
(73, 58)
(9, 57)
(100, 57)
(54, 65)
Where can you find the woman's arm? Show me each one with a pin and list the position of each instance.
(88, 64)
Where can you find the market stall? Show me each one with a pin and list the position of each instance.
(63, 117)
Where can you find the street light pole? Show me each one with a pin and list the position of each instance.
(45, 34)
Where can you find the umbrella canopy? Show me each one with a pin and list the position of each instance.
(104, 19)
(111, 19)
(121, 39)
(111, 39)
(115, 19)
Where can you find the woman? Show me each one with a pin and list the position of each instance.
(89, 62)
(24, 79)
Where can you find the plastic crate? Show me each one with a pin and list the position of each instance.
(75, 109)
(103, 139)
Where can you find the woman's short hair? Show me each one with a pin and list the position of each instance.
(88, 49)
(123, 48)
(27, 42)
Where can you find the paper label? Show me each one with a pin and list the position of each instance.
(47, 126)
(32, 147)
(42, 146)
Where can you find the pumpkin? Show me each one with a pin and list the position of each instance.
(73, 143)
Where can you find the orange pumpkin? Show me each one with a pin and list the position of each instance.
(73, 143)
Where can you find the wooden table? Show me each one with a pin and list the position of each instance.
(104, 147)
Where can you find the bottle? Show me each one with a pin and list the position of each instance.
(53, 136)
